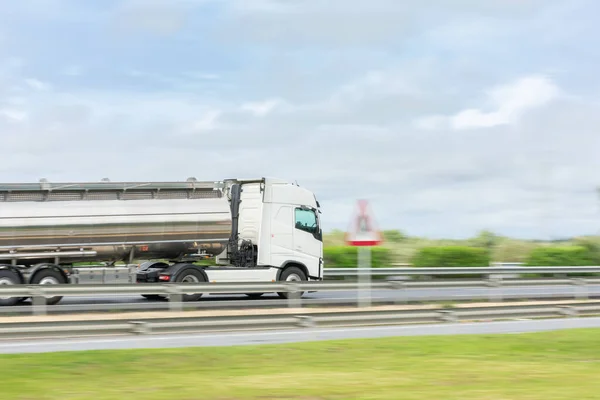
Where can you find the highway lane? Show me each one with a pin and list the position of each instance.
(383, 295)
(292, 336)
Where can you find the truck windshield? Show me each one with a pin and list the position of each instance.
(306, 220)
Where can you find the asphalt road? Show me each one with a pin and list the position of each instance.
(293, 336)
(386, 295)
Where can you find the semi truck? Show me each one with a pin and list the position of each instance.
(253, 230)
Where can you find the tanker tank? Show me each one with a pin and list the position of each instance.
(110, 223)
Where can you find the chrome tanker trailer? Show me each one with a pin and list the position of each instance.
(259, 230)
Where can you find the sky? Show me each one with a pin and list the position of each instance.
(450, 117)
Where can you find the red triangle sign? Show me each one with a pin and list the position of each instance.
(362, 231)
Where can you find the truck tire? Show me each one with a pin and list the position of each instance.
(49, 276)
(191, 276)
(8, 277)
(291, 274)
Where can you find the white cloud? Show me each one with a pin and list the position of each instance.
(13, 115)
(208, 122)
(261, 108)
(375, 83)
(36, 84)
(509, 102)
(430, 122)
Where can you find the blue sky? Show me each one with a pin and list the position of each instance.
(450, 116)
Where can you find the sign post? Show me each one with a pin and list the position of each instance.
(364, 235)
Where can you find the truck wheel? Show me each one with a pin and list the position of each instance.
(8, 277)
(191, 276)
(49, 277)
(291, 274)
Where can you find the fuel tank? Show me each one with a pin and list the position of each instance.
(111, 224)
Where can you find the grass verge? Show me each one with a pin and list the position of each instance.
(554, 365)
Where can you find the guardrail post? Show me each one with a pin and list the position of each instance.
(448, 316)
(140, 327)
(294, 299)
(364, 279)
(495, 292)
(74, 277)
(175, 299)
(568, 311)
(581, 289)
(400, 286)
(38, 301)
(305, 321)
(132, 274)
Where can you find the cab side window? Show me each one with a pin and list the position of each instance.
(306, 221)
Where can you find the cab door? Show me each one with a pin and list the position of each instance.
(308, 239)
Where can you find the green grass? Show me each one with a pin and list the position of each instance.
(548, 366)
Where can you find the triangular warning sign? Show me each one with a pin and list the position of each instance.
(363, 231)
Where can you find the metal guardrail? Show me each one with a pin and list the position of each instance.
(448, 271)
(174, 325)
(174, 292)
(101, 274)
(172, 289)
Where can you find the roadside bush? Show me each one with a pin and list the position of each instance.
(347, 257)
(592, 244)
(451, 256)
(394, 236)
(562, 256)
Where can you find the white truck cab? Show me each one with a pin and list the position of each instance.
(279, 221)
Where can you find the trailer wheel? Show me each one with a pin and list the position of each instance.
(8, 277)
(49, 277)
(190, 276)
(291, 274)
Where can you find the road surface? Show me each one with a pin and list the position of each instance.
(292, 336)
